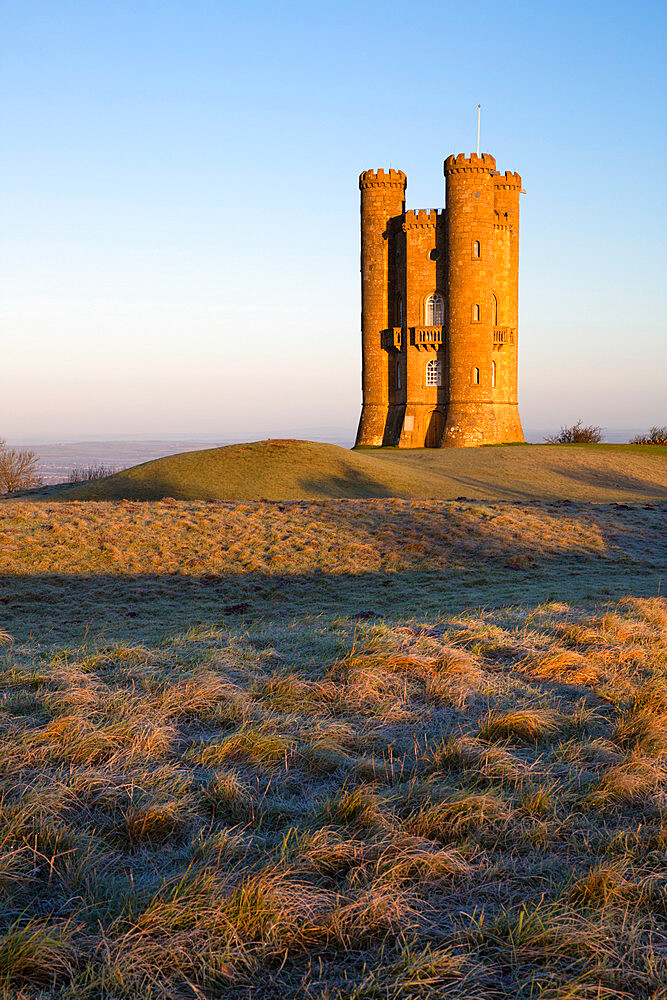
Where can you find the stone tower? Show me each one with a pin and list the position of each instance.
(439, 309)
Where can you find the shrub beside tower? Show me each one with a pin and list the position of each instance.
(439, 309)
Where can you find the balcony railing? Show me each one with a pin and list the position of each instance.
(392, 338)
(427, 336)
(503, 335)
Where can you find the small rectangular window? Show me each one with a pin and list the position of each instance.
(433, 373)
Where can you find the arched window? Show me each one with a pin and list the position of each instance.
(494, 309)
(475, 313)
(435, 310)
(475, 376)
(493, 374)
(433, 372)
(476, 249)
(399, 375)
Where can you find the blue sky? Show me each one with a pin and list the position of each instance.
(179, 194)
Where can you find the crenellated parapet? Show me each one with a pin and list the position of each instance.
(460, 163)
(501, 221)
(423, 218)
(439, 309)
(509, 179)
(382, 178)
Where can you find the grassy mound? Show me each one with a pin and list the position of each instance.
(303, 470)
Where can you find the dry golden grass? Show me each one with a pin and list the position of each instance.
(301, 800)
(523, 725)
(208, 539)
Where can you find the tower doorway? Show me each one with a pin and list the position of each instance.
(434, 430)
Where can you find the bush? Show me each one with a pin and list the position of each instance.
(18, 469)
(576, 434)
(89, 473)
(657, 435)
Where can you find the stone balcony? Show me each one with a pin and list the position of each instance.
(423, 337)
(392, 338)
(426, 336)
(503, 335)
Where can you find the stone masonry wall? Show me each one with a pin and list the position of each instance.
(468, 254)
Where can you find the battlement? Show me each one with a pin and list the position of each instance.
(453, 384)
(507, 180)
(420, 218)
(461, 163)
(382, 178)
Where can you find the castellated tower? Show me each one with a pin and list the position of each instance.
(382, 199)
(439, 309)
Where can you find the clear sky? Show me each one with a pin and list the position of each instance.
(180, 238)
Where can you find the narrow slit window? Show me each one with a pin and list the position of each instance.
(475, 376)
(476, 249)
(494, 306)
(475, 313)
(435, 310)
(493, 374)
(399, 376)
(433, 372)
(399, 310)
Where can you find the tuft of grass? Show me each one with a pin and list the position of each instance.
(460, 815)
(156, 823)
(250, 744)
(641, 731)
(228, 798)
(353, 806)
(603, 885)
(629, 784)
(520, 726)
(36, 952)
(564, 665)
(539, 801)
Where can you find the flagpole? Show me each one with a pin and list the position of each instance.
(479, 111)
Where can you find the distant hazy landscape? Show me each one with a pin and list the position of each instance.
(57, 459)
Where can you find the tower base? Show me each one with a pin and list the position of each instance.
(422, 426)
(509, 423)
(372, 425)
(470, 425)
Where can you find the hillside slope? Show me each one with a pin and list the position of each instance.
(295, 470)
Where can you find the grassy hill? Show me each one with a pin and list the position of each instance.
(387, 749)
(293, 470)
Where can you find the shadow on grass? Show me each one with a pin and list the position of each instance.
(353, 485)
(358, 484)
(614, 481)
(50, 607)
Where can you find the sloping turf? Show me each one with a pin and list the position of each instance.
(294, 470)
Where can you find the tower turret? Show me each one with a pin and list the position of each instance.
(382, 198)
(439, 309)
(470, 194)
(508, 190)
